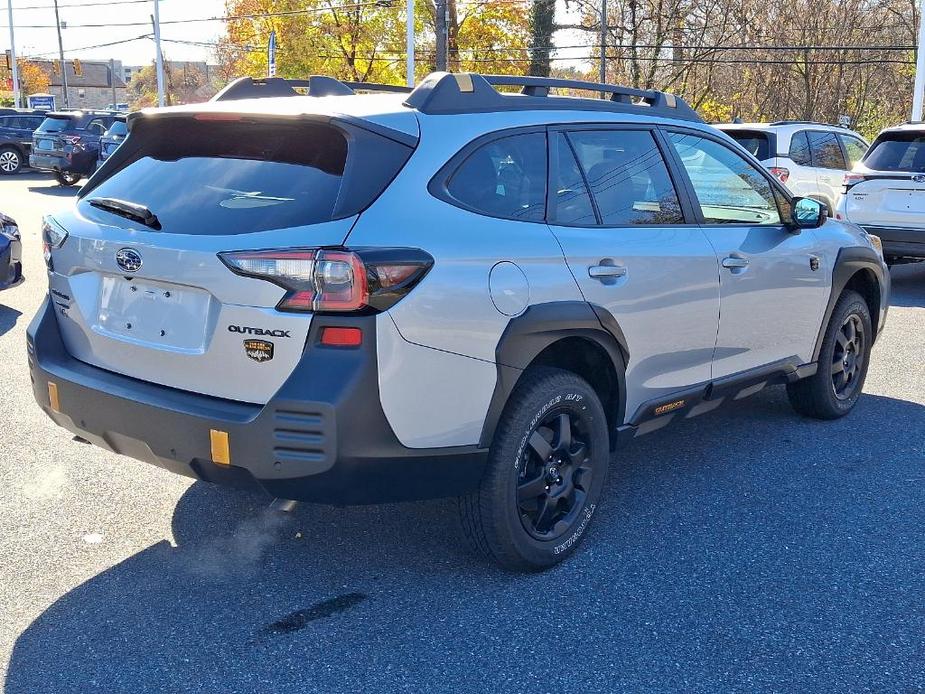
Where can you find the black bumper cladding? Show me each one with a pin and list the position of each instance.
(322, 438)
(897, 242)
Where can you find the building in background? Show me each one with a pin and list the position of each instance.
(95, 87)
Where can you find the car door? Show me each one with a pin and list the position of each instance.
(630, 242)
(773, 280)
(802, 176)
(829, 163)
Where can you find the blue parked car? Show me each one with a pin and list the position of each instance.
(112, 138)
(10, 253)
(16, 128)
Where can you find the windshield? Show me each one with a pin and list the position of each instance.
(897, 152)
(117, 129)
(232, 178)
(54, 125)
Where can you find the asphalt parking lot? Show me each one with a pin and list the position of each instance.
(748, 550)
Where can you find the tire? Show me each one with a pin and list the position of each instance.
(834, 389)
(67, 178)
(535, 502)
(10, 161)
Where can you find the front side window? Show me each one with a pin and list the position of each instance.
(729, 189)
(627, 176)
(825, 151)
(504, 178)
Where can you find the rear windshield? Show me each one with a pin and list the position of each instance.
(117, 129)
(897, 152)
(756, 143)
(54, 125)
(224, 178)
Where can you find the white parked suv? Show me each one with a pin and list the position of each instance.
(885, 193)
(811, 159)
(356, 298)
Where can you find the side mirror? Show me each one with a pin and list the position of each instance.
(808, 213)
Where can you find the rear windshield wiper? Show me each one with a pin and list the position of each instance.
(129, 210)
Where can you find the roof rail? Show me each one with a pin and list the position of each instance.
(804, 122)
(316, 85)
(446, 93)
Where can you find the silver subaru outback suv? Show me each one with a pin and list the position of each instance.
(455, 291)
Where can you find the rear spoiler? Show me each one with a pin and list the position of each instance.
(316, 85)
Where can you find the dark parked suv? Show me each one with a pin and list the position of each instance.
(112, 138)
(68, 143)
(16, 139)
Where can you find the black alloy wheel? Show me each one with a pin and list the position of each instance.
(555, 476)
(848, 357)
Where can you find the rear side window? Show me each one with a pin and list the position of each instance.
(231, 178)
(854, 148)
(755, 143)
(799, 149)
(54, 125)
(897, 152)
(627, 176)
(572, 201)
(825, 151)
(504, 178)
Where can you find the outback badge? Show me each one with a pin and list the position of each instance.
(258, 350)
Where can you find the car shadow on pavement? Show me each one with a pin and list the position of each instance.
(756, 551)
(908, 285)
(56, 191)
(8, 318)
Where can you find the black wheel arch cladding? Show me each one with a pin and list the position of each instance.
(853, 268)
(572, 335)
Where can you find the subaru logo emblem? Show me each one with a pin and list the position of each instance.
(128, 259)
(919, 178)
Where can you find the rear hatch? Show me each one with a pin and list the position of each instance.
(145, 294)
(888, 188)
(755, 142)
(48, 137)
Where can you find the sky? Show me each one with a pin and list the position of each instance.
(42, 42)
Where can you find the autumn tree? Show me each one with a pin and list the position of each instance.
(184, 84)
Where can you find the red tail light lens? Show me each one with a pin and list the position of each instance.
(780, 173)
(338, 280)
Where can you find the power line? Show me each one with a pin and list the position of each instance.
(81, 4)
(87, 48)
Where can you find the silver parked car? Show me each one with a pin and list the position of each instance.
(455, 291)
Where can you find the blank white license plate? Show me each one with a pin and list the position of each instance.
(157, 313)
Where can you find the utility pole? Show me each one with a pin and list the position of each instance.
(604, 43)
(13, 66)
(67, 103)
(159, 59)
(918, 96)
(409, 42)
(112, 80)
(442, 35)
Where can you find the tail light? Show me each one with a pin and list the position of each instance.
(780, 173)
(335, 280)
(53, 236)
(850, 180)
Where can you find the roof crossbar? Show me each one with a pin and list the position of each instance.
(445, 93)
(316, 85)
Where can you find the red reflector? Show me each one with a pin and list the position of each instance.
(341, 337)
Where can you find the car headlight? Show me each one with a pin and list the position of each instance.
(11, 231)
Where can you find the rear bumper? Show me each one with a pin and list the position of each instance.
(322, 438)
(48, 162)
(899, 242)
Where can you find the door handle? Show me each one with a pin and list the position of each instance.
(735, 262)
(603, 271)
